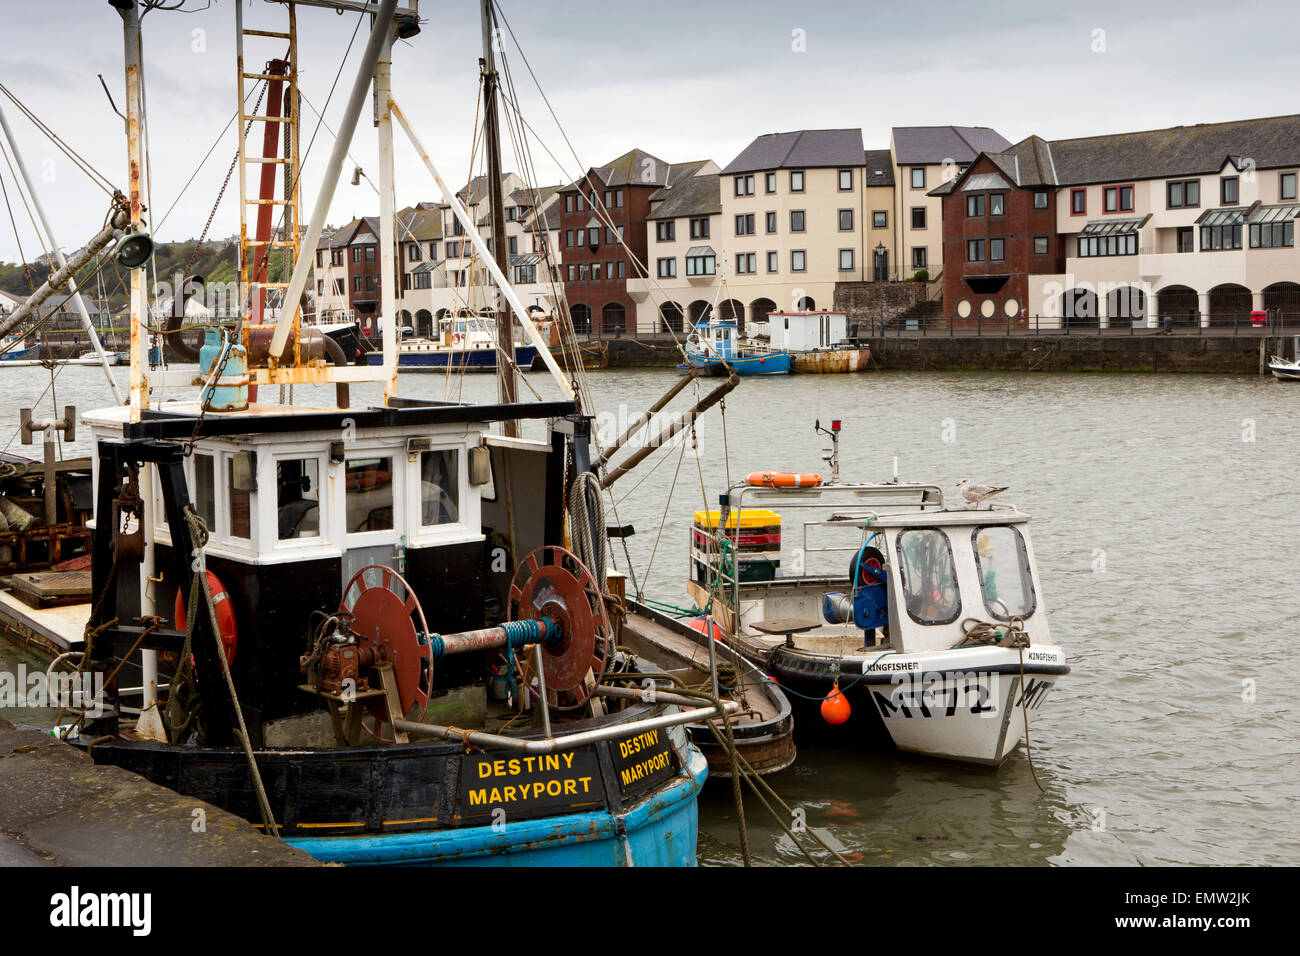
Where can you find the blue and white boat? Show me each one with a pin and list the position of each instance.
(712, 347)
(468, 343)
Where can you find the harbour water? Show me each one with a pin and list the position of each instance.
(1162, 508)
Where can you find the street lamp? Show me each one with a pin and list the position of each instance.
(880, 281)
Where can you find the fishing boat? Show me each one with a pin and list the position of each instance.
(468, 343)
(762, 730)
(898, 620)
(817, 342)
(16, 353)
(372, 639)
(712, 347)
(1285, 369)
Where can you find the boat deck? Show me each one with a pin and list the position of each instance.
(60, 627)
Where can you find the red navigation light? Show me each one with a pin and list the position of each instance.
(835, 424)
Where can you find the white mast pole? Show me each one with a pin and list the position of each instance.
(471, 232)
(387, 202)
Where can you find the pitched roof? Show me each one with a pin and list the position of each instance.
(636, 167)
(422, 222)
(925, 145)
(880, 167)
(801, 149)
(687, 192)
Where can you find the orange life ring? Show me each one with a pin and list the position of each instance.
(225, 609)
(782, 479)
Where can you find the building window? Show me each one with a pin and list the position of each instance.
(356, 283)
(524, 274)
(773, 261)
(618, 199)
(609, 236)
(879, 219)
(338, 286)
(796, 181)
(1286, 186)
(918, 177)
(1040, 245)
(622, 269)
(744, 185)
(846, 260)
(513, 245)
(1214, 238)
(769, 182)
(974, 250)
(1186, 239)
(1119, 244)
(1272, 235)
(796, 220)
(609, 198)
(320, 259)
(1040, 198)
(666, 230)
(370, 253)
(771, 222)
(581, 203)
(700, 228)
(668, 268)
(996, 202)
(320, 286)
(846, 220)
(974, 206)
(846, 180)
(997, 250)
(918, 217)
(798, 260)
(1228, 190)
(356, 253)
(1078, 202)
(570, 272)
(433, 251)
(568, 203)
(745, 263)
(920, 256)
(700, 265)
(745, 224)
(581, 237)
(568, 238)
(1185, 193)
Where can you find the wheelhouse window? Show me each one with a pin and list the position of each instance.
(928, 576)
(439, 487)
(1002, 561)
(369, 494)
(240, 471)
(297, 498)
(205, 490)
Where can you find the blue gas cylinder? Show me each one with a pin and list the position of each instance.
(229, 393)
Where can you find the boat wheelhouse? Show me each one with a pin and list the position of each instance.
(713, 347)
(928, 620)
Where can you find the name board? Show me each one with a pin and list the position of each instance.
(642, 761)
(490, 783)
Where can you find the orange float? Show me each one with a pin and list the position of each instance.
(835, 706)
(225, 609)
(782, 479)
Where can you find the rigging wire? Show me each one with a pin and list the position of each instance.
(95, 176)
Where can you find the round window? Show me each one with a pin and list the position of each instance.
(987, 308)
(1011, 307)
(963, 308)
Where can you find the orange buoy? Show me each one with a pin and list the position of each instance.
(225, 609)
(706, 625)
(782, 479)
(835, 706)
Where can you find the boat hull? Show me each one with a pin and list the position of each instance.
(775, 363)
(1285, 372)
(967, 704)
(469, 360)
(830, 361)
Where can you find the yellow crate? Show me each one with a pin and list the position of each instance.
(749, 518)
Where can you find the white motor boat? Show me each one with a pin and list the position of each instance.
(1283, 368)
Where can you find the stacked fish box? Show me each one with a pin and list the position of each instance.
(755, 535)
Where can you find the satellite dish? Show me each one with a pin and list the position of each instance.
(133, 250)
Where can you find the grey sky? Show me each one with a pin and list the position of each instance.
(683, 80)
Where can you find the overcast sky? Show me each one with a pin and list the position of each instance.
(682, 79)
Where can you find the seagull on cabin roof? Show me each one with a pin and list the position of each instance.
(974, 494)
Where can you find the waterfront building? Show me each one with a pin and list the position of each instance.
(1193, 224)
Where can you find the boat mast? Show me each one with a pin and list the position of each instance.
(505, 325)
(135, 163)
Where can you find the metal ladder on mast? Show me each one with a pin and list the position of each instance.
(281, 115)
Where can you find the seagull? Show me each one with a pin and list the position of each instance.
(974, 494)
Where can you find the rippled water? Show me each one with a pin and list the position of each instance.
(1163, 522)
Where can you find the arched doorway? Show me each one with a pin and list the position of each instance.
(758, 311)
(700, 311)
(424, 323)
(804, 303)
(1079, 308)
(581, 319)
(1230, 304)
(670, 317)
(613, 319)
(1284, 299)
(1126, 306)
(733, 310)
(404, 319)
(1177, 305)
